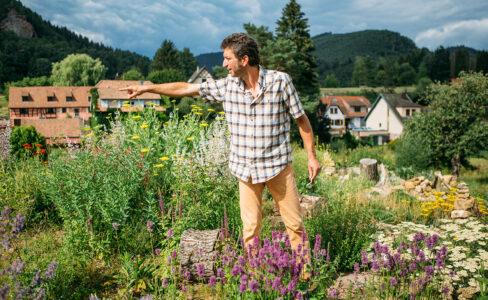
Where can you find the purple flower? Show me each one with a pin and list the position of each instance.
(200, 270)
(93, 297)
(164, 283)
(51, 269)
(375, 266)
(253, 286)
(418, 237)
(276, 283)
(241, 260)
(220, 272)
(212, 281)
(393, 281)
(356, 268)
(169, 235)
(446, 290)
(236, 270)
(242, 288)
(35, 280)
(299, 296)
(429, 270)
(333, 294)
(174, 254)
(364, 257)
(187, 275)
(157, 251)
(412, 267)
(323, 252)
(149, 226)
(318, 242)
(184, 289)
(114, 225)
(161, 205)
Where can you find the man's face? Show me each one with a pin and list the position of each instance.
(232, 63)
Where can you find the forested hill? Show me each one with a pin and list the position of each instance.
(43, 43)
(336, 53)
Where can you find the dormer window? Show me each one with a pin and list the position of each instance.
(50, 98)
(69, 98)
(50, 111)
(357, 108)
(25, 96)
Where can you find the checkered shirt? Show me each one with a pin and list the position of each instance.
(260, 127)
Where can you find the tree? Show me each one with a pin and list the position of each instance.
(455, 127)
(188, 62)
(132, 75)
(166, 75)
(331, 81)
(406, 74)
(166, 57)
(482, 62)
(293, 26)
(220, 72)
(441, 66)
(362, 73)
(461, 61)
(77, 70)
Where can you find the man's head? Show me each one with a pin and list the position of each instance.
(240, 50)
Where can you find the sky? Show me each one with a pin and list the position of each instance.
(201, 25)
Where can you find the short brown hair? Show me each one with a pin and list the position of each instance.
(242, 44)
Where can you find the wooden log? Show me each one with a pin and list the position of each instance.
(369, 168)
(200, 247)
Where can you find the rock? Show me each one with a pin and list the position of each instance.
(428, 189)
(464, 204)
(447, 179)
(463, 196)
(409, 185)
(460, 214)
(309, 203)
(418, 189)
(354, 170)
(397, 188)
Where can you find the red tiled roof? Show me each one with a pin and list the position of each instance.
(38, 96)
(346, 104)
(109, 89)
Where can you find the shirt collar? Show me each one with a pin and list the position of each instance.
(261, 80)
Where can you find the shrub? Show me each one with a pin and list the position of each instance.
(27, 142)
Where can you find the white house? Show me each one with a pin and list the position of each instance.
(385, 119)
(110, 95)
(200, 75)
(345, 112)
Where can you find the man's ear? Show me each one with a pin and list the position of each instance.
(244, 60)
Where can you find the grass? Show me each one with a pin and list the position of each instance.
(357, 90)
(477, 176)
(3, 107)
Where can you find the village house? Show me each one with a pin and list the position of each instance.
(201, 75)
(110, 96)
(344, 112)
(385, 119)
(57, 112)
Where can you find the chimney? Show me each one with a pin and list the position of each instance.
(404, 95)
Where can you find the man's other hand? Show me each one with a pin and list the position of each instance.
(133, 90)
(313, 168)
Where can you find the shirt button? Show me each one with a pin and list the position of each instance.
(252, 135)
(252, 119)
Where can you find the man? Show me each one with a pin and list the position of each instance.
(257, 105)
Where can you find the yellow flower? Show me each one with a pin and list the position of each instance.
(455, 238)
(144, 150)
(167, 122)
(204, 124)
(144, 126)
(126, 105)
(87, 129)
(210, 109)
(156, 174)
(150, 103)
(221, 112)
(135, 137)
(159, 166)
(184, 116)
(198, 113)
(227, 132)
(136, 117)
(221, 118)
(173, 100)
(107, 117)
(90, 134)
(164, 158)
(126, 102)
(175, 155)
(190, 138)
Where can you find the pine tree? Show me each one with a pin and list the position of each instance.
(441, 65)
(188, 62)
(166, 57)
(293, 26)
(461, 61)
(482, 62)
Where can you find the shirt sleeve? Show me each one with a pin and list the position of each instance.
(213, 90)
(290, 97)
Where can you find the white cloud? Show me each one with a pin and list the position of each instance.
(472, 33)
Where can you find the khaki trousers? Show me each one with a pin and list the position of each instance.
(284, 190)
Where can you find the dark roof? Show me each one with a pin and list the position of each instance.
(198, 72)
(399, 101)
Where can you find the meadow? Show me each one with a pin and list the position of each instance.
(103, 220)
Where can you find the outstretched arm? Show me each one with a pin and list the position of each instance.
(172, 89)
(307, 136)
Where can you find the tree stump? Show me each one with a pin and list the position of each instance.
(369, 168)
(199, 247)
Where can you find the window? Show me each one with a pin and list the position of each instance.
(77, 112)
(357, 108)
(69, 98)
(204, 79)
(25, 99)
(407, 112)
(413, 110)
(380, 125)
(132, 103)
(89, 99)
(333, 110)
(50, 111)
(50, 98)
(63, 110)
(24, 111)
(16, 122)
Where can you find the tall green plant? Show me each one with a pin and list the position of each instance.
(26, 142)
